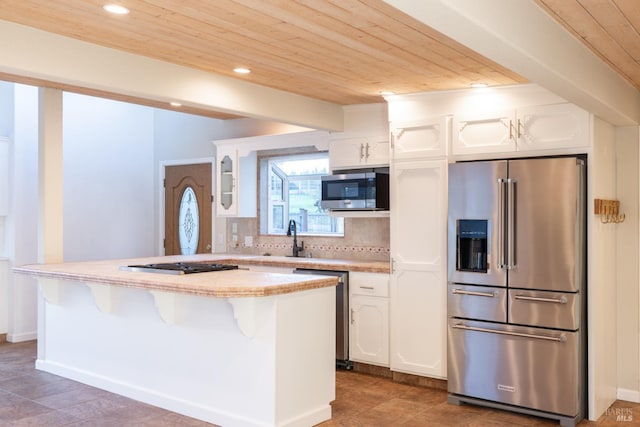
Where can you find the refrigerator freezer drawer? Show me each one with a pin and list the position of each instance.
(544, 309)
(546, 377)
(477, 302)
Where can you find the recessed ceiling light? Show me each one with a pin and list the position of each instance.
(116, 9)
(478, 85)
(175, 104)
(241, 70)
(387, 93)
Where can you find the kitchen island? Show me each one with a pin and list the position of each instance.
(234, 348)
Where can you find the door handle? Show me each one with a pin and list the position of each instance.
(511, 217)
(560, 338)
(561, 300)
(475, 293)
(502, 264)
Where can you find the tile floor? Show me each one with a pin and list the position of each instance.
(33, 398)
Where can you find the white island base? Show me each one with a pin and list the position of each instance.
(249, 361)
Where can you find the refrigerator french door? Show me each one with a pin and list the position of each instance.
(516, 285)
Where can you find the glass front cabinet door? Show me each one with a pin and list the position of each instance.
(226, 182)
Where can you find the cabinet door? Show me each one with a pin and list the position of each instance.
(418, 280)
(423, 138)
(376, 151)
(479, 133)
(552, 126)
(369, 330)
(226, 182)
(347, 153)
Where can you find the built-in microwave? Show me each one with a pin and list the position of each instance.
(356, 191)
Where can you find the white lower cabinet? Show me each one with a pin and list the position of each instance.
(369, 318)
(418, 288)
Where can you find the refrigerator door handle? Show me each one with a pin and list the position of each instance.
(560, 338)
(502, 262)
(511, 215)
(561, 300)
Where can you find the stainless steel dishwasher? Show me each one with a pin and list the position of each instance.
(342, 313)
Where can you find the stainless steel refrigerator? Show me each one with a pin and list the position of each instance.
(516, 286)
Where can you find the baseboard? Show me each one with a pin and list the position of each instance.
(628, 395)
(26, 336)
(173, 403)
(400, 377)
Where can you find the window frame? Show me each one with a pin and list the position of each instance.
(266, 225)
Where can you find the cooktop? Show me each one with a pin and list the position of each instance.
(179, 267)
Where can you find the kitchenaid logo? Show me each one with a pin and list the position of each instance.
(508, 388)
(621, 414)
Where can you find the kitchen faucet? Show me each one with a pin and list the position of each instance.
(293, 229)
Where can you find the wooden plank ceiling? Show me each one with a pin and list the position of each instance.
(609, 28)
(341, 51)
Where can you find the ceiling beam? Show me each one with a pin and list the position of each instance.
(47, 57)
(520, 36)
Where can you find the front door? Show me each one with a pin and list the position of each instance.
(187, 220)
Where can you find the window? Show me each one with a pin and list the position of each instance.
(291, 189)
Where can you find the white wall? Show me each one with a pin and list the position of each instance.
(108, 179)
(21, 223)
(628, 272)
(601, 270)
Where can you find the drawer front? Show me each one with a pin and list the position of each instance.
(477, 302)
(529, 367)
(372, 284)
(544, 309)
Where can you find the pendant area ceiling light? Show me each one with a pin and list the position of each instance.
(241, 70)
(478, 85)
(116, 9)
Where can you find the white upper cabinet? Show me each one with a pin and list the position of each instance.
(541, 127)
(236, 183)
(483, 132)
(358, 152)
(421, 138)
(552, 126)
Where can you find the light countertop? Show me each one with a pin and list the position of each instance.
(224, 284)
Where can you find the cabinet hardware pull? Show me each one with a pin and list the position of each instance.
(561, 300)
(475, 294)
(561, 338)
(520, 127)
(361, 151)
(366, 151)
(510, 129)
(352, 319)
(367, 287)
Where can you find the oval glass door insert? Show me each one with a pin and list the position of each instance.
(188, 222)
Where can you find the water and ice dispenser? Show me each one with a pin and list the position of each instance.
(471, 250)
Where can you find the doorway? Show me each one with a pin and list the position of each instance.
(187, 209)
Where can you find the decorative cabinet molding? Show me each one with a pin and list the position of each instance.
(541, 127)
(421, 138)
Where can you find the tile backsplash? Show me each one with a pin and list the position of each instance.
(364, 239)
